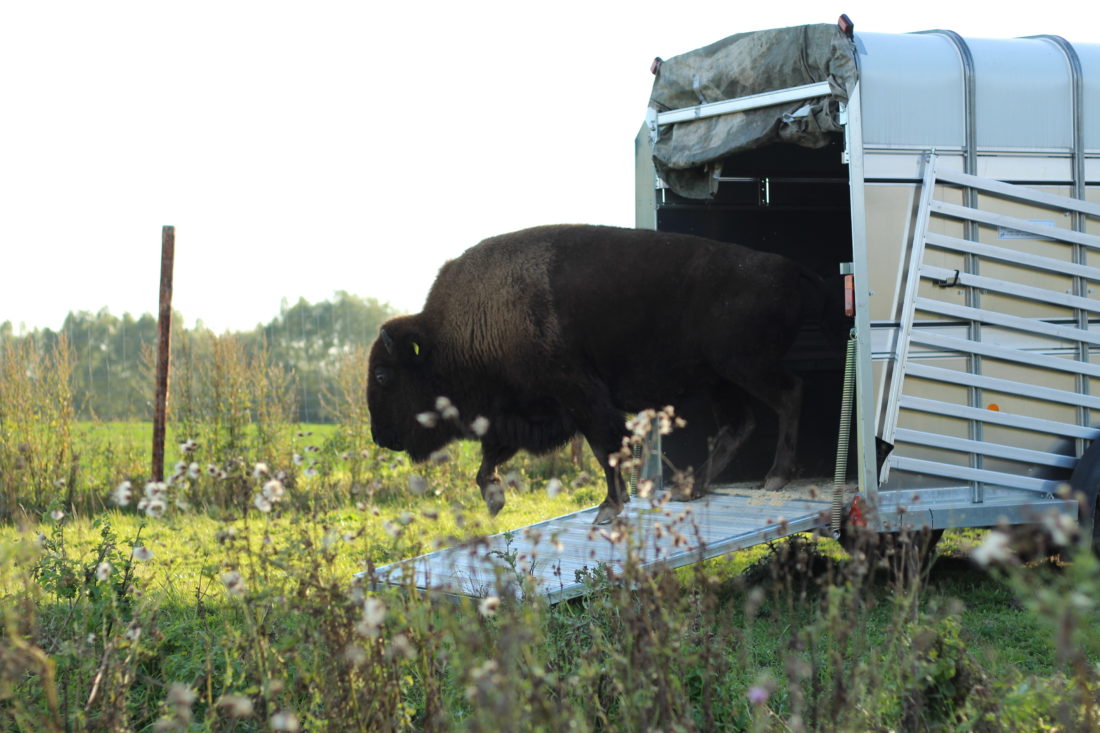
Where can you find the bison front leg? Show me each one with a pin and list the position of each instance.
(781, 390)
(737, 421)
(616, 499)
(590, 406)
(492, 455)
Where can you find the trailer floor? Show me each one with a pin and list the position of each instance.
(558, 553)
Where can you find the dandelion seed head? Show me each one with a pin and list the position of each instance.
(142, 553)
(1063, 530)
(442, 403)
(400, 645)
(237, 706)
(155, 489)
(553, 487)
(284, 721)
(488, 606)
(155, 508)
(297, 459)
(262, 503)
(180, 695)
(57, 515)
(103, 571)
(122, 494)
(273, 490)
(374, 615)
(418, 485)
(995, 548)
(355, 655)
(480, 426)
(487, 669)
(234, 583)
(428, 419)
(260, 469)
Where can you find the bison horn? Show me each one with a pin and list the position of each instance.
(388, 341)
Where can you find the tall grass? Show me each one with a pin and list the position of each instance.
(234, 401)
(36, 421)
(261, 629)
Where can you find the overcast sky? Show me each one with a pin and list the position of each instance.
(305, 148)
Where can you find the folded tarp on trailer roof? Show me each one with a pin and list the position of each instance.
(688, 154)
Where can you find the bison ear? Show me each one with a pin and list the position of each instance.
(404, 341)
(411, 349)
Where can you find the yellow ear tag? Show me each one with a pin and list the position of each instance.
(416, 349)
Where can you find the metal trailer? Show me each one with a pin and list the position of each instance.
(961, 192)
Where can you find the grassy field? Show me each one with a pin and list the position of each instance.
(223, 612)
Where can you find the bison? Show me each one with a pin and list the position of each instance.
(558, 330)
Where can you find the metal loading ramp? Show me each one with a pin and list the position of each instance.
(558, 553)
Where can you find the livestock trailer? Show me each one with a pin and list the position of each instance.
(957, 182)
(955, 185)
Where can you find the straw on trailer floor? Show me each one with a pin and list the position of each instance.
(559, 552)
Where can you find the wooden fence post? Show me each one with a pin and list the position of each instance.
(164, 338)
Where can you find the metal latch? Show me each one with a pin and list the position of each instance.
(952, 282)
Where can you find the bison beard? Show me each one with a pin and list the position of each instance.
(556, 330)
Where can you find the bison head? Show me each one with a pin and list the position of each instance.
(401, 387)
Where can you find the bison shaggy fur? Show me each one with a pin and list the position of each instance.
(558, 330)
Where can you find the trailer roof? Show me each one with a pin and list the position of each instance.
(739, 66)
(918, 91)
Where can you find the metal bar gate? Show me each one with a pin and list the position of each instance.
(991, 380)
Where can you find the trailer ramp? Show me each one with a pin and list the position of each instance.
(559, 554)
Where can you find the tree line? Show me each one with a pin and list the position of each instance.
(112, 357)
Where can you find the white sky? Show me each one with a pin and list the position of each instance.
(305, 148)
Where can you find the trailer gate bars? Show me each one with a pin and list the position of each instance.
(1030, 323)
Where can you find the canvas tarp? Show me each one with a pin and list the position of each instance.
(688, 154)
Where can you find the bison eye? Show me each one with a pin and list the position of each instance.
(384, 377)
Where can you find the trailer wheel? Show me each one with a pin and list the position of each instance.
(1086, 481)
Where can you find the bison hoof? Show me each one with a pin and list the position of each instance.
(607, 512)
(680, 492)
(775, 483)
(494, 499)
